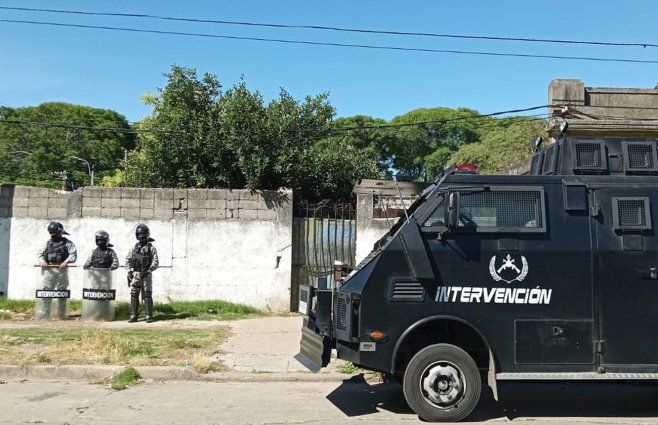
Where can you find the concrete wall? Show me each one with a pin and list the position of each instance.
(602, 111)
(213, 244)
(378, 207)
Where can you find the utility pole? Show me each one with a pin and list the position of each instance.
(90, 167)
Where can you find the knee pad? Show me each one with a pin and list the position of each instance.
(134, 292)
(148, 295)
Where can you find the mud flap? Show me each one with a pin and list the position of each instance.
(314, 349)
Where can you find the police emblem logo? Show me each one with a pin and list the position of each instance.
(508, 270)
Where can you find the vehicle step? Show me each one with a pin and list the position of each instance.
(575, 376)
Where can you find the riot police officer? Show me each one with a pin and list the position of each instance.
(59, 251)
(141, 262)
(103, 257)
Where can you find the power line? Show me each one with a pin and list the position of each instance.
(331, 44)
(85, 127)
(420, 123)
(331, 28)
(328, 130)
(573, 105)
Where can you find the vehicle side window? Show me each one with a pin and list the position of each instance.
(631, 213)
(502, 209)
(437, 218)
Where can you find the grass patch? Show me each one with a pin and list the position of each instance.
(126, 378)
(203, 364)
(16, 305)
(24, 309)
(347, 367)
(147, 347)
(199, 310)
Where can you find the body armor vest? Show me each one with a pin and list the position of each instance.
(56, 252)
(101, 258)
(141, 257)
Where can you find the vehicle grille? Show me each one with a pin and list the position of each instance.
(341, 313)
(303, 294)
(408, 291)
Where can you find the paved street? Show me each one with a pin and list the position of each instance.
(354, 401)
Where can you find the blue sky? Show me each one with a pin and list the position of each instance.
(112, 70)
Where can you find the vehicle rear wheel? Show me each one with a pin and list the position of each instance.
(442, 383)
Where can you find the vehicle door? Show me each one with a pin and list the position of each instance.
(627, 279)
(522, 264)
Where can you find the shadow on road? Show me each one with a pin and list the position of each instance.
(357, 397)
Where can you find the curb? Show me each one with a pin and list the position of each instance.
(98, 373)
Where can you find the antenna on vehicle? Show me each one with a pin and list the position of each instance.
(395, 179)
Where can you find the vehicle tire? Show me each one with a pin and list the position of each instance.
(442, 383)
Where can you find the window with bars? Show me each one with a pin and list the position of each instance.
(502, 209)
(437, 218)
(589, 156)
(631, 213)
(640, 157)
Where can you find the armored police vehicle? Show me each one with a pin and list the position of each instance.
(547, 276)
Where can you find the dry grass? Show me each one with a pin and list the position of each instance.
(204, 364)
(139, 347)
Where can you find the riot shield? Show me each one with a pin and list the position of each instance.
(52, 287)
(98, 294)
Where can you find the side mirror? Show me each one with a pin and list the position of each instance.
(452, 211)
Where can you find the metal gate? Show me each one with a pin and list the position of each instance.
(322, 233)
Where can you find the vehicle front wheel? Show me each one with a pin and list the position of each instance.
(442, 383)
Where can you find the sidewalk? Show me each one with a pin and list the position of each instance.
(256, 350)
(266, 345)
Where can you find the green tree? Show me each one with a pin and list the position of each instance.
(204, 137)
(423, 146)
(504, 142)
(181, 149)
(332, 166)
(30, 153)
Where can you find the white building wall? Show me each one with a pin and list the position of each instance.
(244, 257)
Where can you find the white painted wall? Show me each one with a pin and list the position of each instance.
(367, 236)
(233, 260)
(4, 252)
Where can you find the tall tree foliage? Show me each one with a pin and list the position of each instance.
(29, 153)
(419, 149)
(503, 142)
(202, 136)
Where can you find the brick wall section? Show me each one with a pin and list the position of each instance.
(141, 203)
(36, 202)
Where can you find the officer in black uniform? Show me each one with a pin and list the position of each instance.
(59, 252)
(103, 257)
(141, 261)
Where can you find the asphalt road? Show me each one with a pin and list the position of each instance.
(353, 401)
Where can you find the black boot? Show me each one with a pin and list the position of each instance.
(134, 306)
(148, 309)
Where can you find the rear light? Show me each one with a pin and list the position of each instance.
(467, 168)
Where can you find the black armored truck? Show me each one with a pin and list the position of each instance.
(546, 276)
